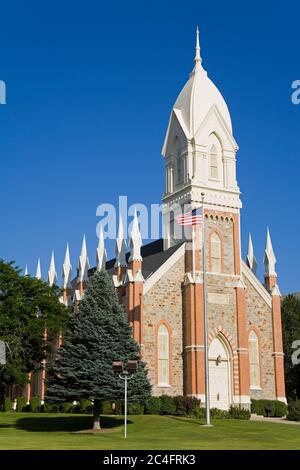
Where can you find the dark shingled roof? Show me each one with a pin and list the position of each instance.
(153, 256)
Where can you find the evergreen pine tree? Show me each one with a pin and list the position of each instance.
(99, 334)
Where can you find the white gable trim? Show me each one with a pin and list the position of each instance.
(246, 271)
(164, 268)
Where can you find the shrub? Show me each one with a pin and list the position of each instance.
(168, 406)
(153, 406)
(192, 406)
(294, 411)
(85, 406)
(67, 407)
(116, 407)
(180, 405)
(106, 408)
(135, 408)
(280, 409)
(7, 404)
(236, 412)
(218, 414)
(21, 404)
(50, 408)
(257, 407)
(35, 404)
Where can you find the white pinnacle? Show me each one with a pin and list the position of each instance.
(101, 253)
(38, 273)
(121, 247)
(26, 271)
(52, 275)
(251, 260)
(83, 263)
(135, 240)
(269, 258)
(67, 269)
(197, 56)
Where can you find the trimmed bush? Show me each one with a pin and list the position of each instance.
(85, 406)
(135, 408)
(236, 412)
(21, 404)
(294, 411)
(35, 404)
(280, 409)
(153, 406)
(7, 404)
(50, 408)
(67, 407)
(269, 408)
(168, 406)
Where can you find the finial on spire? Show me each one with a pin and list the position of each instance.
(38, 273)
(83, 263)
(101, 252)
(67, 269)
(251, 260)
(52, 275)
(135, 240)
(269, 259)
(120, 247)
(198, 58)
(26, 270)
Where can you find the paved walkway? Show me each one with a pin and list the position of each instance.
(272, 420)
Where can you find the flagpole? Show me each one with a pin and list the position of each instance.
(207, 395)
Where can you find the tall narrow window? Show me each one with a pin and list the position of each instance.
(254, 360)
(213, 162)
(163, 356)
(215, 253)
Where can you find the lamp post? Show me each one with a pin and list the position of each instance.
(125, 371)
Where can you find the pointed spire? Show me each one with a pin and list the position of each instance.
(26, 271)
(121, 247)
(269, 258)
(67, 269)
(52, 275)
(38, 273)
(197, 55)
(135, 240)
(251, 260)
(101, 252)
(83, 263)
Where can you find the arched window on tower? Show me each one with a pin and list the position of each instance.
(213, 163)
(254, 360)
(215, 253)
(163, 359)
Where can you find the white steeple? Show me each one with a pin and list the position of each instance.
(120, 247)
(251, 260)
(135, 240)
(26, 271)
(101, 252)
(52, 275)
(269, 258)
(38, 273)
(67, 269)
(198, 58)
(83, 263)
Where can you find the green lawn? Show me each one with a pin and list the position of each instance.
(58, 431)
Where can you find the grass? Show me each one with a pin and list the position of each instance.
(58, 431)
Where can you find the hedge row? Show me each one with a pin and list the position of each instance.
(269, 408)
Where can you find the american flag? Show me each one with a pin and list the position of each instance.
(193, 217)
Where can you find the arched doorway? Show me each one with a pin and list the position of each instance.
(219, 374)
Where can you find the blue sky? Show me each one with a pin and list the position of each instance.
(90, 86)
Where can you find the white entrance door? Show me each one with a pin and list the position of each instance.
(219, 375)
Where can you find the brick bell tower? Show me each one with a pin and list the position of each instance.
(200, 157)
